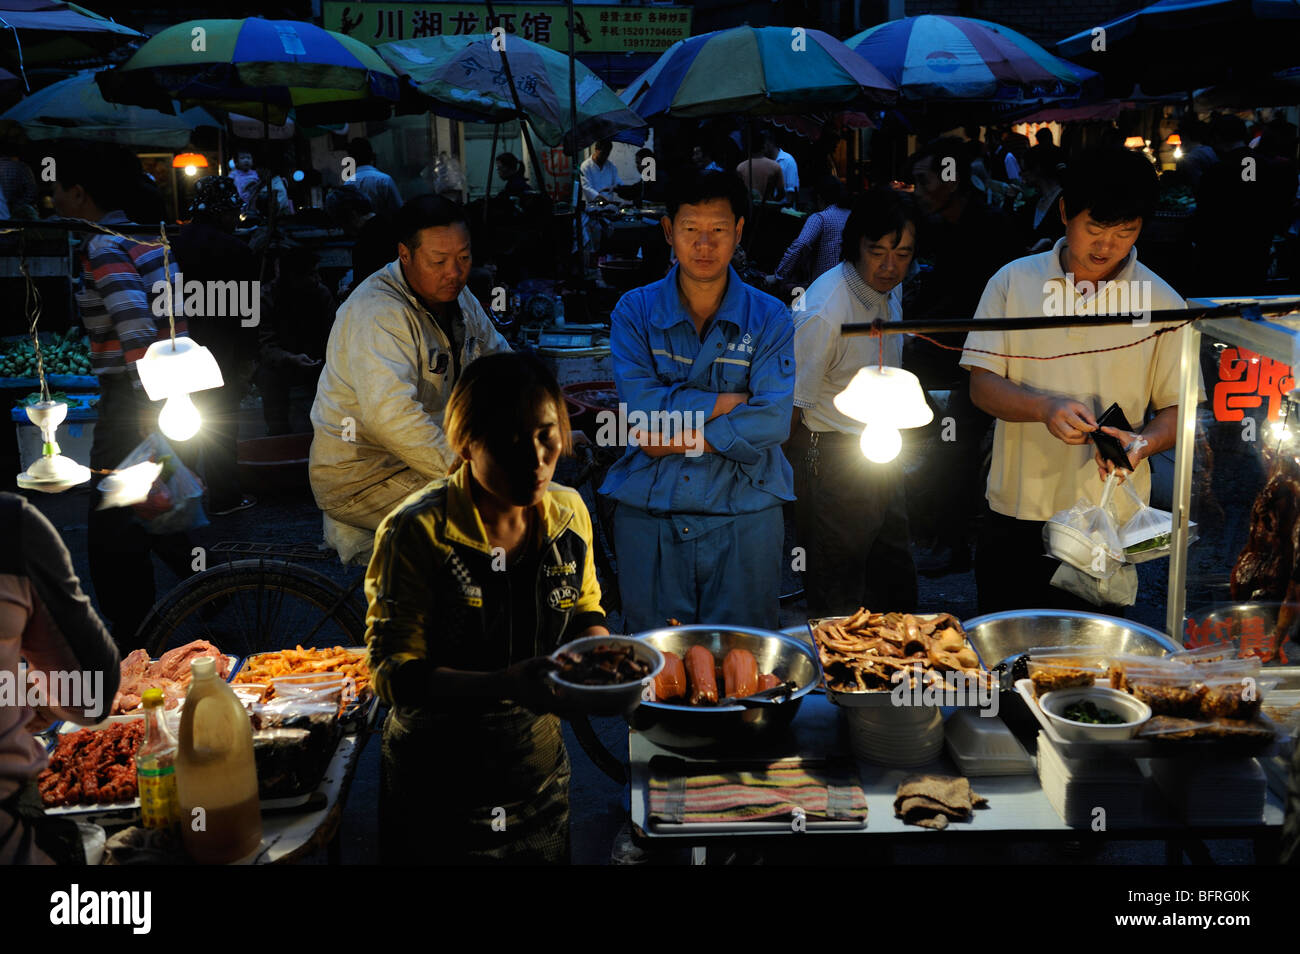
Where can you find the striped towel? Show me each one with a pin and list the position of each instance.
(694, 793)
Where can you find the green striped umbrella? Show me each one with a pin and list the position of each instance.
(756, 70)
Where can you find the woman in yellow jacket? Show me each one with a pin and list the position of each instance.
(474, 581)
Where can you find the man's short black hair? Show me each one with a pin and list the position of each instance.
(940, 151)
(361, 150)
(509, 160)
(697, 188)
(1112, 184)
(1044, 137)
(604, 145)
(1227, 128)
(873, 215)
(426, 212)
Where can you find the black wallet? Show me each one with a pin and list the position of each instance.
(1109, 447)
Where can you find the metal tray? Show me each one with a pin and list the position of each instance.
(877, 698)
(1148, 748)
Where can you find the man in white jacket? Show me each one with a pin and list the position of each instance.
(398, 346)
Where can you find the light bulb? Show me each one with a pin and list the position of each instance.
(881, 443)
(1178, 152)
(179, 419)
(191, 170)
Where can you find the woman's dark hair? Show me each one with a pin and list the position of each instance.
(695, 188)
(495, 393)
(875, 214)
(1112, 184)
(831, 191)
(426, 212)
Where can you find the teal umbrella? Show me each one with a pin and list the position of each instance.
(756, 71)
(464, 76)
(43, 32)
(75, 107)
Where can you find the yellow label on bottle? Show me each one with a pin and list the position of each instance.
(159, 804)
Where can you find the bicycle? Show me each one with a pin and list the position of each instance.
(271, 602)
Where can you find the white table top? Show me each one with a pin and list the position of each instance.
(1016, 803)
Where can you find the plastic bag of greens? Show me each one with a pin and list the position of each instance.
(1149, 533)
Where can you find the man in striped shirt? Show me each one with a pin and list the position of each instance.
(117, 278)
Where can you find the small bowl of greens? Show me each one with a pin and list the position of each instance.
(1094, 713)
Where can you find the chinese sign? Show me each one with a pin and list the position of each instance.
(1252, 635)
(598, 29)
(1246, 381)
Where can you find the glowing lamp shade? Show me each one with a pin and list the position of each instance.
(171, 370)
(185, 159)
(52, 472)
(1174, 140)
(888, 396)
(1134, 142)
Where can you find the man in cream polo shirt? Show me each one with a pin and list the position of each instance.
(1043, 460)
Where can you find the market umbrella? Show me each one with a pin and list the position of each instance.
(464, 76)
(40, 32)
(959, 58)
(256, 67)
(75, 107)
(756, 71)
(1180, 45)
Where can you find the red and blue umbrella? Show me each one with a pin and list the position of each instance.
(933, 57)
(757, 71)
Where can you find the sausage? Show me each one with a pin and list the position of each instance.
(671, 682)
(701, 676)
(740, 674)
(768, 681)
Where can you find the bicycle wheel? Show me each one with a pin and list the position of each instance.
(251, 606)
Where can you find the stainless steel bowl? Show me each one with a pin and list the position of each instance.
(727, 726)
(1000, 637)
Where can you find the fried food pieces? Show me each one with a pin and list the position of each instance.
(862, 652)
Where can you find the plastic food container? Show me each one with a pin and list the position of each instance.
(1053, 668)
(1133, 711)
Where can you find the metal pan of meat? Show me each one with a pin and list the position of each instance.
(869, 659)
(92, 770)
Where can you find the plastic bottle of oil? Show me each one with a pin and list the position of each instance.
(216, 775)
(155, 767)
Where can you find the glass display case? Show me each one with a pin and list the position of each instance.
(1236, 484)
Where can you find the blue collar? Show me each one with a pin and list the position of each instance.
(672, 312)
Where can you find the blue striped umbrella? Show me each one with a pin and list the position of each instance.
(934, 57)
(757, 71)
(257, 68)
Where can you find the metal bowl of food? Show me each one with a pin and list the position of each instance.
(1003, 637)
(729, 726)
(605, 675)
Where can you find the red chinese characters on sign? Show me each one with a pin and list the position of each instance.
(1246, 379)
(1253, 635)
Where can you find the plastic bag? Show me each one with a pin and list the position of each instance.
(1064, 667)
(1118, 589)
(1149, 533)
(1086, 537)
(174, 502)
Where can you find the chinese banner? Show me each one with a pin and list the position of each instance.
(1248, 381)
(599, 29)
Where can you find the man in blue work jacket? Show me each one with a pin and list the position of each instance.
(705, 371)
